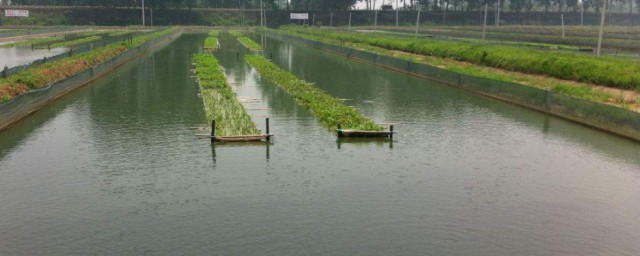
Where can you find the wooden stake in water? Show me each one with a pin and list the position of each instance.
(267, 128)
(213, 131)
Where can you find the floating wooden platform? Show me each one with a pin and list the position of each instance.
(243, 138)
(359, 133)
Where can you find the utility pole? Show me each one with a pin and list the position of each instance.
(397, 12)
(604, 11)
(417, 23)
(498, 14)
(375, 21)
(331, 20)
(484, 26)
(143, 13)
(349, 21)
(261, 14)
(562, 23)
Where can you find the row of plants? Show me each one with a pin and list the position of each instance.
(613, 41)
(475, 39)
(247, 42)
(606, 71)
(45, 40)
(328, 109)
(211, 42)
(574, 89)
(620, 32)
(50, 72)
(84, 40)
(220, 102)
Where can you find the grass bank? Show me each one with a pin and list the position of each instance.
(220, 102)
(42, 75)
(328, 109)
(622, 98)
(606, 71)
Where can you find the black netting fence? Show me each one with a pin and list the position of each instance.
(614, 119)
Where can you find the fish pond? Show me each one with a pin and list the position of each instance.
(116, 168)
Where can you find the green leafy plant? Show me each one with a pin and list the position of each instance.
(220, 103)
(328, 109)
(247, 42)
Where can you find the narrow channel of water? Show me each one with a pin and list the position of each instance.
(115, 169)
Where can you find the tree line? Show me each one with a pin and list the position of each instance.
(323, 5)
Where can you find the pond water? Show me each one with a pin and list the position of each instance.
(116, 168)
(21, 55)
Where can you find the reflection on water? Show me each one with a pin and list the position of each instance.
(116, 169)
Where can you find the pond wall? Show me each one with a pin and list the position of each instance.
(616, 120)
(23, 105)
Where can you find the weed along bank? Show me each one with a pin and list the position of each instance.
(32, 89)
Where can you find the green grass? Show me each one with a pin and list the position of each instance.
(50, 72)
(220, 101)
(328, 109)
(211, 42)
(247, 42)
(606, 71)
(80, 41)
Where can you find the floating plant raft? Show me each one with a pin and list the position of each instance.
(247, 42)
(229, 120)
(211, 42)
(328, 109)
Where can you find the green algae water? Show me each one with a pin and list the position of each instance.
(116, 168)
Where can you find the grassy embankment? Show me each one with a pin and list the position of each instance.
(467, 59)
(247, 42)
(220, 102)
(616, 38)
(211, 42)
(42, 75)
(328, 109)
(44, 40)
(76, 39)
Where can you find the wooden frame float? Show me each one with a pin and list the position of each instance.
(343, 133)
(240, 138)
(243, 138)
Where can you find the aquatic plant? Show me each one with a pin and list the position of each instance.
(328, 109)
(247, 42)
(220, 102)
(211, 42)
